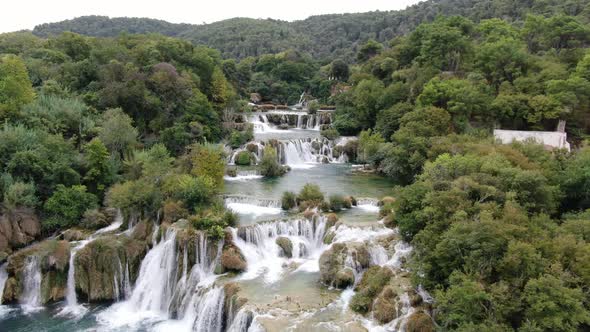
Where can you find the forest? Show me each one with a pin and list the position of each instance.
(133, 114)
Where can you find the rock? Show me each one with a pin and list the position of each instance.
(371, 285)
(74, 235)
(255, 98)
(420, 322)
(331, 219)
(252, 148)
(309, 214)
(17, 229)
(386, 201)
(283, 126)
(384, 308)
(94, 219)
(101, 260)
(53, 257)
(232, 259)
(333, 260)
(143, 231)
(286, 246)
(344, 278)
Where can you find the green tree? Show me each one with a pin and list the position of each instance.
(98, 170)
(117, 132)
(15, 86)
(67, 205)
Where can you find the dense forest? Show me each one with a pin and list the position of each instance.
(324, 36)
(93, 117)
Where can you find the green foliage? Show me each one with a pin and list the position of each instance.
(239, 138)
(288, 200)
(269, 166)
(208, 161)
(20, 194)
(337, 203)
(99, 173)
(373, 281)
(15, 86)
(244, 158)
(67, 205)
(330, 133)
(117, 132)
(310, 193)
(368, 146)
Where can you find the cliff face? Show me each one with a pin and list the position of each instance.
(17, 229)
(53, 257)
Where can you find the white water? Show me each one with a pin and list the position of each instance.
(368, 204)
(256, 207)
(30, 298)
(244, 176)
(72, 307)
(4, 310)
(162, 291)
(264, 257)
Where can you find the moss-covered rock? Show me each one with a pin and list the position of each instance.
(384, 308)
(420, 322)
(344, 278)
(371, 285)
(102, 261)
(232, 259)
(333, 261)
(53, 257)
(331, 219)
(286, 246)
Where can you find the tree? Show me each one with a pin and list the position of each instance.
(269, 166)
(67, 205)
(98, 171)
(553, 306)
(339, 70)
(117, 132)
(15, 86)
(208, 162)
(369, 50)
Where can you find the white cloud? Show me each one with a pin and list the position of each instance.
(25, 14)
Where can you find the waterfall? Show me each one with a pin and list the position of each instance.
(252, 205)
(368, 204)
(4, 310)
(242, 321)
(264, 256)
(244, 176)
(3, 278)
(30, 298)
(72, 307)
(170, 298)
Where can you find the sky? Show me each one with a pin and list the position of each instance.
(25, 14)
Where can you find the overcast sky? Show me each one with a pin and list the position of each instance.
(25, 14)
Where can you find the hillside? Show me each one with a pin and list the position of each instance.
(323, 36)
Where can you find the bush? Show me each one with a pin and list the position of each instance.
(330, 134)
(350, 149)
(289, 200)
(239, 138)
(269, 165)
(67, 206)
(373, 281)
(313, 107)
(244, 158)
(310, 193)
(337, 203)
(20, 194)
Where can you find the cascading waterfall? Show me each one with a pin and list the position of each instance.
(242, 321)
(3, 278)
(30, 298)
(368, 204)
(244, 176)
(72, 307)
(170, 298)
(264, 256)
(252, 205)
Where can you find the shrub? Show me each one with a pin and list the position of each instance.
(310, 193)
(67, 206)
(373, 281)
(244, 158)
(269, 165)
(313, 107)
(330, 133)
(337, 203)
(239, 138)
(20, 194)
(350, 149)
(289, 200)
(232, 172)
